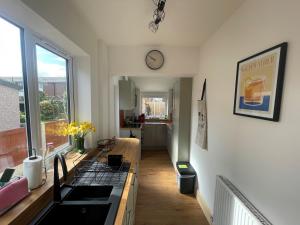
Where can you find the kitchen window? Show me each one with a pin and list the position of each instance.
(14, 138)
(35, 95)
(53, 88)
(155, 106)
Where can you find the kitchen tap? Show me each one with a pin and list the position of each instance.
(56, 183)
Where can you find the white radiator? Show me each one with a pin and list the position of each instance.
(231, 207)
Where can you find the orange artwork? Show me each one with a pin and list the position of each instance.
(259, 84)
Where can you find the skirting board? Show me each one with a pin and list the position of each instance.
(204, 207)
(154, 148)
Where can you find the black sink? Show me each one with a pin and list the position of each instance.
(92, 198)
(89, 193)
(83, 214)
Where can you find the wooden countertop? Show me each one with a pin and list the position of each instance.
(28, 208)
(131, 151)
(129, 148)
(167, 123)
(130, 128)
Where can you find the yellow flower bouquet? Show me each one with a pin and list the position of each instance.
(78, 131)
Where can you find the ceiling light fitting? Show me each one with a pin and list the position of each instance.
(158, 16)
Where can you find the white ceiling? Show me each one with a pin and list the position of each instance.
(125, 22)
(154, 84)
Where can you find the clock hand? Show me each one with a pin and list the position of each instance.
(152, 58)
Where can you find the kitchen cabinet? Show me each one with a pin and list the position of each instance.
(131, 202)
(127, 95)
(169, 138)
(154, 136)
(137, 107)
(135, 191)
(170, 103)
(131, 189)
(181, 121)
(136, 185)
(129, 213)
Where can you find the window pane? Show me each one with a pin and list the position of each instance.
(154, 107)
(13, 138)
(53, 94)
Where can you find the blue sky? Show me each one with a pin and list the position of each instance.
(48, 63)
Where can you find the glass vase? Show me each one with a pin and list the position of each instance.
(79, 144)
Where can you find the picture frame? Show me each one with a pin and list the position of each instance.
(259, 84)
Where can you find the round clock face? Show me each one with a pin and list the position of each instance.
(154, 59)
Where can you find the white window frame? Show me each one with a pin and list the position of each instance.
(30, 39)
(164, 95)
(33, 40)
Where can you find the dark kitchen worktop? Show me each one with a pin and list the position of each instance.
(137, 126)
(28, 208)
(91, 174)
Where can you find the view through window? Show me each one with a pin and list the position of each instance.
(13, 135)
(155, 107)
(51, 78)
(53, 97)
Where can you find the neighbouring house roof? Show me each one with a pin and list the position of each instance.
(52, 79)
(9, 84)
(41, 79)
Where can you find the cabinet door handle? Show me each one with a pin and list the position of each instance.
(129, 217)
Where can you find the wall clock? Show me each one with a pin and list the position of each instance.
(154, 59)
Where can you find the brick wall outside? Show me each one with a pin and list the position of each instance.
(54, 89)
(9, 108)
(13, 147)
(13, 143)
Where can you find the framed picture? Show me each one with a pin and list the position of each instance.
(259, 83)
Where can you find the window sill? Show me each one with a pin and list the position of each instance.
(25, 210)
(157, 120)
(67, 149)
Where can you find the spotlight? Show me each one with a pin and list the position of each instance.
(158, 15)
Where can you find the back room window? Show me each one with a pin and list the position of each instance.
(155, 107)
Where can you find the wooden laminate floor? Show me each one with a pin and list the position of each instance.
(159, 201)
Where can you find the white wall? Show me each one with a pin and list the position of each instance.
(154, 84)
(103, 89)
(181, 120)
(25, 17)
(130, 61)
(114, 109)
(260, 157)
(173, 152)
(64, 17)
